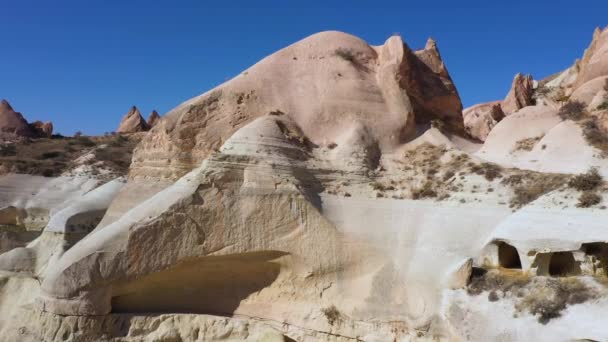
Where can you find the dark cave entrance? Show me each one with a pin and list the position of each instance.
(508, 257)
(563, 264)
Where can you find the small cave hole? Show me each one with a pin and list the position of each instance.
(562, 264)
(508, 257)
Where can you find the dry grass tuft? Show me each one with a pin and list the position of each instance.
(544, 297)
(426, 191)
(594, 134)
(588, 199)
(528, 186)
(488, 170)
(332, 314)
(527, 144)
(572, 110)
(586, 181)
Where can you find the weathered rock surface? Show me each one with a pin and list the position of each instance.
(595, 60)
(520, 95)
(266, 216)
(132, 122)
(388, 88)
(13, 122)
(152, 119)
(42, 129)
(480, 119)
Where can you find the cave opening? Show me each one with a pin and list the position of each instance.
(508, 257)
(563, 264)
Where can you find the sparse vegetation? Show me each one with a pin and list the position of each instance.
(594, 135)
(8, 150)
(426, 191)
(527, 144)
(332, 314)
(544, 297)
(542, 91)
(488, 170)
(588, 199)
(572, 110)
(51, 157)
(560, 97)
(587, 181)
(528, 186)
(345, 54)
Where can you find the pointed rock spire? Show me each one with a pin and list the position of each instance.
(13, 122)
(430, 44)
(520, 94)
(153, 119)
(132, 122)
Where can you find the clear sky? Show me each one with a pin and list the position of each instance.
(83, 63)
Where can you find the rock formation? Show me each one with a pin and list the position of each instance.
(480, 119)
(520, 95)
(42, 129)
(595, 60)
(132, 122)
(254, 213)
(386, 88)
(152, 119)
(13, 122)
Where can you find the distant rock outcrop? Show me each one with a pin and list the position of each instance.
(14, 123)
(480, 119)
(132, 122)
(520, 95)
(153, 119)
(42, 129)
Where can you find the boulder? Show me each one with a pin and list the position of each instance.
(13, 122)
(153, 119)
(132, 122)
(480, 119)
(520, 95)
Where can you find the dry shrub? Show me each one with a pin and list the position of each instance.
(572, 110)
(8, 150)
(345, 54)
(426, 191)
(586, 181)
(528, 186)
(527, 144)
(488, 170)
(552, 295)
(332, 314)
(544, 297)
(588, 199)
(594, 134)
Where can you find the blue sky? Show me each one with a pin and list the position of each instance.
(82, 64)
